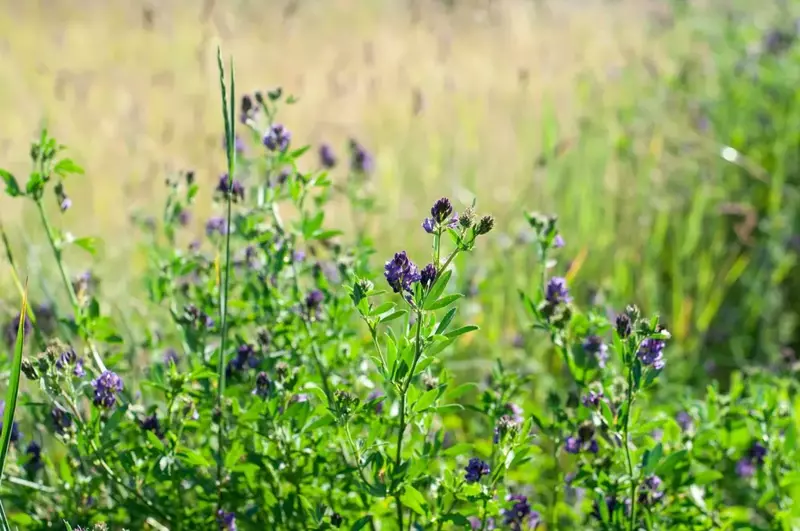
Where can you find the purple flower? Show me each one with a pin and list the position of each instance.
(375, 395)
(227, 187)
(592, 399)
(572, 445)
(427, 276)
(651, 352)
(65, 204)
(184, 216)
(441, 210)
(558, 242)
(476, 524)
(34, 453)
(262, 385)
(217, 225)
(684, 420)
(597, 349)
(360, 160)
(314, 300)
(557, 292)
(171, 357)
(62, 421)
(429, 225)
(106, 386)
(150, 423)
(79, 371)
(327, 158)
(515, 412)
(475, 470)
(226, 521)
(520, 515)
(299, 398)
(277, 138)
(400, 272)
(745, 468)
(299, 256)
(66, 359)
(650, 492)
(757, 453)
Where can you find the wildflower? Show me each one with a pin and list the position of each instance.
(15, 434)
(505, 425)
(485, 225)
(314, 301)
(150, 423)
(34, 452)
(651, 352)
(427, 276)
(230, 187)
(557, 291)
(327, 157)
(745, 468)
(475, 470)
(336, 520)
(78, 370)
(592, 399)
(623, 325)
(375, 395)
(585, 440)
(277, 138)
(262, 385)
(61, 420)
(216, 224)
(650, 492)
(12, 327)
(757, 453)
(226, 521)
(558, 242)
(597, 349)
(245, 357)
(106, 387)
(514, 411)
(400, 272)
(184, 216)
(684, 420)
(171, 357)
(67, 358)
(429, 225)
(441, 210)
(572, 445)
(360, 160)
(476, 524)
(520, 515)
(429, 381)
(611, 505)
(299, 398)
(298, 256)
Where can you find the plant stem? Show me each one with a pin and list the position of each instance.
(629, 400)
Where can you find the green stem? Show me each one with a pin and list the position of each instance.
(629, 400)
(73, 298)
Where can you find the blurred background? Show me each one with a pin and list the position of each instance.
(664, 134)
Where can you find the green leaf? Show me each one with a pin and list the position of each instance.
(87, 243)
(67, 167)
(426, 400)
(394, 315)
(444, 302)
(461, 331)
(707, 476)
(414, 500)
(445, 322)
(383, 308)
(157, 443)
(361, 523)
(193, 457)
(12, 186)
(439, 286)
(13, 389)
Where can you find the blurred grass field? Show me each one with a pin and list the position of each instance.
(568, 107)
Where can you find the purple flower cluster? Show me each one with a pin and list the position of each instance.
(263, 385)
(62, 421)
(327, 158)
(557, 292)
(360, 160)
(400, 272)
(34, 454)
(651, 353)
(442, 216)
(277, 138)
(476, 524)
(746, 466)
(151, 423)
(520, 516)
(226, 521)
(232, 187)
(594, 346)
(584, 441)
(245, 358)
(216, 225)
(650, 492)
(475, 470)
(68, 359)
(428, 276)
(592, 399)
(313, 302)
(684, 420)
(375, 395)
(106, 387)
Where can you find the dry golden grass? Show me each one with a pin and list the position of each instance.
(445, 99)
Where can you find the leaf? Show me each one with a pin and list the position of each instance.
(461, 331)
(445, 322)
(426, 400)
(155, 441)
(381, 309)
(318, 392)
(13, 389)
(66, 167)
(439, 286)
(394, 315)
(460, 390)
(445, 301)
(193, 457)
(87, 243)
(707, 476)
(12, 186)
(361, 523)
(414, 500)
